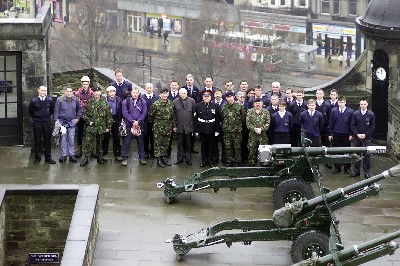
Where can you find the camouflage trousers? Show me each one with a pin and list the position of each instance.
(254, 141)
(93, 144)
(233, 146)
(161, 144)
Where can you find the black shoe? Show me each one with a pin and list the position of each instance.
(335, 171)
(100, 159)
(159, 162)
(62, 159)
(367, 175)
(85, 161)
(203, 164)
(251, 164)
(354, 175)
(147, 156)
(189, 163)
(165, 162)
(72, 159)
(328, 166)
(37, 160)
(178, 162)
(50, 161)
(195, 151)
(348, 171)
(93, 155)
(211, 165)
(229, 164)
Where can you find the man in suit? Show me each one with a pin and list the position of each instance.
(172, 95)
(183, 126)
(194, 93)
(208, 85)
(148, 136)
(258, 95)
(289, 97)
(272, 109)
(296, 108)
(340, 130)
(362, 128)
(219, 103)
(244, 85)
(229, 87)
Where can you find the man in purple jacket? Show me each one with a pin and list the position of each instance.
(134, 111)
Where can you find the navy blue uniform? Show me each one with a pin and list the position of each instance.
(363, 124)
(296, 108)
(270, 131)
(116, 112)
(313, 126)
(193, 92)
(41, 112)
(281, 127)
(339, 127)
(219, 138)
(123, 90)
(325, 109)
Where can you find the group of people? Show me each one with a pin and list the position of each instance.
(241, 120)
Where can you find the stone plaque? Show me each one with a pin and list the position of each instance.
(42, 258)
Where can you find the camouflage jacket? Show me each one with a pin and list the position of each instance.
(232, 117)
(260, 120)
(161, 115)
(99, 113)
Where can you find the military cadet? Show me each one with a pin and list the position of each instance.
(281, 123)
(340, 130)
(68, 111)
(241, 99)
(172, 95)
(207, 119)
(41, 108)
(148, 135)
(123, 86)
(333, 101)
(84, 93)
(183, 126)
(257, 121)
(161, 115)
(134, 111)
(312, 121)
(362, 128)
(115, 104)
(232, 115)
(220, 102)
(98, 121)
(272, 109)
(296, 108)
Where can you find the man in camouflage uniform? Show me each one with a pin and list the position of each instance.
(98, 121)
(257, 120)
(161, 115)
(232, 116)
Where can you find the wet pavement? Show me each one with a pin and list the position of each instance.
(135, 219)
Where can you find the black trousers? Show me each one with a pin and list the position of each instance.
(366, 156)
(184, 146)
(81, 128)
(42, 131)
(148, 138)
(218, 139)
(295, 136)
(245, 140)
(281, 138)
(207, 145)
(116, 141)
(341, 140)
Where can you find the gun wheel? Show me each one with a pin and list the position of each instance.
(291, 190)
(309, 242)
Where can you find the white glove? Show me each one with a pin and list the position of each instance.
(63, 130)
(196, 134)
(216, 134)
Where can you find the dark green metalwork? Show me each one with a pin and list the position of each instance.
(313, 221)
(281, 162)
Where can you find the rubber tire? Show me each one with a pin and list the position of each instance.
(288, 185)
(305, 240)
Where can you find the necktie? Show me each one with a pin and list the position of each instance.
(298, 104)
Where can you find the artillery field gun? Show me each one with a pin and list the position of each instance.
(289, 170)
(308, 223)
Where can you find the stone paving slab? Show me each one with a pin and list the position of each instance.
(135, 219)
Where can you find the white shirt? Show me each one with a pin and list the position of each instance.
(149, 96)
(320, 102)
(363, 112)
(311, 113)
(282, 114)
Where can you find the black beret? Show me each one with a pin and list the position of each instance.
(258, 100)
(163, 90)
(96, 88)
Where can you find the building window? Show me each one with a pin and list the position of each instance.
(336, 7)
(283, 2)
(325, 5)
(353, 7)
(302, 3)
(8, 86)
(272, 2)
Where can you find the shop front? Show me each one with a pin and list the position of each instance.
(334, 39)
(163, 22)
(290, 33)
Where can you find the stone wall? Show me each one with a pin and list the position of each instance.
(36, 222)
(2, 230)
